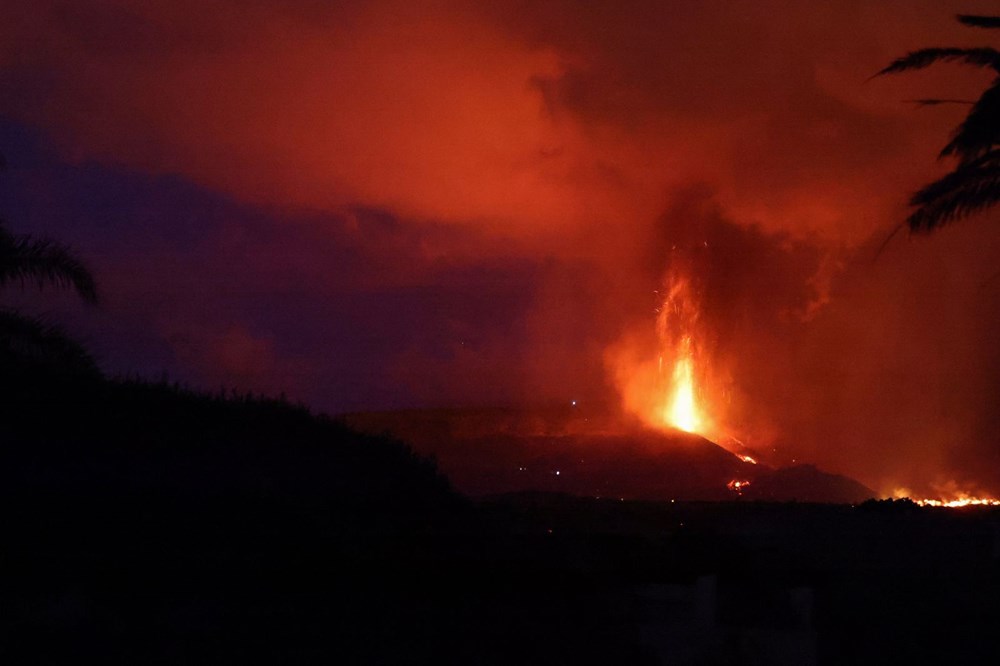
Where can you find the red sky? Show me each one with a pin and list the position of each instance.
(374, 204)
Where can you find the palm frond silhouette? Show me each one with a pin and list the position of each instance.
(974, 184)
(42, 261)
(24, 339)
(30, 342)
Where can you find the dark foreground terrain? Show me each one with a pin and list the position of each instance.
(147, 525)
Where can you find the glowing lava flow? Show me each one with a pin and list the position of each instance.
(958, 499)
(738, 485)
(956, 503)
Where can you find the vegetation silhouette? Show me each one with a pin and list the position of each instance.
(32, 345)
(25, 260)
(153, 524)
(974, 184)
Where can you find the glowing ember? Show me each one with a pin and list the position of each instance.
(747, 459)
(738, 485)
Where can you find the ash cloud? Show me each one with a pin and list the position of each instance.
(882, 366)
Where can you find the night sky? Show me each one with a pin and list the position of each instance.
(394, 204)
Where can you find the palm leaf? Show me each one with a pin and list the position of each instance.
(974, 184)
(980, 130)
(984, 167)
(24, 258)
(32, 341)
(935, 101)
(979, 21)
(954, 200)
(978, 57)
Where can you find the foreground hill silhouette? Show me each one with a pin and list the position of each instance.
(145, 524)
(150, 524)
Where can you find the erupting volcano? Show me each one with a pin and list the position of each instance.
(669, 381)
(676, 326)
(683, 412)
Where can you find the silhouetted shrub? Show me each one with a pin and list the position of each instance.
(890, 505)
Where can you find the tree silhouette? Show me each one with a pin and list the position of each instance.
(974, 184)
(24, 258)
(32, 344)
(41, 261)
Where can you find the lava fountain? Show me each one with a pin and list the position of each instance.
(664, 373)
(682, 380)
(682, 410)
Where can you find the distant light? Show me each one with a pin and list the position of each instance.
(557, 472)
(573, 402)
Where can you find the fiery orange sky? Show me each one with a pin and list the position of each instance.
(450, 202)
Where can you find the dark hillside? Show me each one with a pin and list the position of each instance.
(593, 453)
(147, 524)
